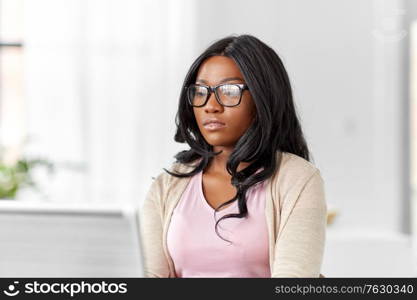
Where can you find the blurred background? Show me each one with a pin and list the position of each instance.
(88, 97)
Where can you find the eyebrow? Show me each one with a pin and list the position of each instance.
(223, 80)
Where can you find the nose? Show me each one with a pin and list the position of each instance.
(212, 105)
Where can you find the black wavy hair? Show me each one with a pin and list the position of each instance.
(276, 126)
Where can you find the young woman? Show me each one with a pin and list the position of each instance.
(244, 200)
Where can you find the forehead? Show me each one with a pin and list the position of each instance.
(216, 68)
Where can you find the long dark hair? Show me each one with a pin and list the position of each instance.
(276, 126)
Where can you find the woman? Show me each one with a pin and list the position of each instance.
(244, 200)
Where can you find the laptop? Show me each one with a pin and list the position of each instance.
(57, 240)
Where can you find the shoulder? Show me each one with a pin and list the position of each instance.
(294, 172)
(296, 176)
(292, 165)
(163, 181)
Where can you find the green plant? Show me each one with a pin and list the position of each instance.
(19, 175)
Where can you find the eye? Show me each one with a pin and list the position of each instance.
(230, 90)
(200, 92)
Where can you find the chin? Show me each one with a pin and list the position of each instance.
(219, 143)
(214, 143)
(219, 140)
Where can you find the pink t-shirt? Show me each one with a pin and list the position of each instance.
(196, 249)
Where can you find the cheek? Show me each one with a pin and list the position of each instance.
(240, 120)
(246, 112)
(197, 116)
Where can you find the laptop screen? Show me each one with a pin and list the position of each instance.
(62, 242)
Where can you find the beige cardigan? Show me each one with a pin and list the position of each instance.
(295, 213)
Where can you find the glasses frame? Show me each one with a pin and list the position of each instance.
(213, 89)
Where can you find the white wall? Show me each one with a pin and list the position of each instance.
(346, 86)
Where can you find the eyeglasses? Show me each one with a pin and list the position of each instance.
(227, 94)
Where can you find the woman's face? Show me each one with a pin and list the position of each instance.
(213, 71)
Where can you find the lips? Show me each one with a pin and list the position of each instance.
(213, 124)
(212, 121)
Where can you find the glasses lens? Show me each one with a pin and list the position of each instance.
(229, 94)
(197, 95)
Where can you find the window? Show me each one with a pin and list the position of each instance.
(11, 76)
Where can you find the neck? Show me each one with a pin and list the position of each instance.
(218, 163)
